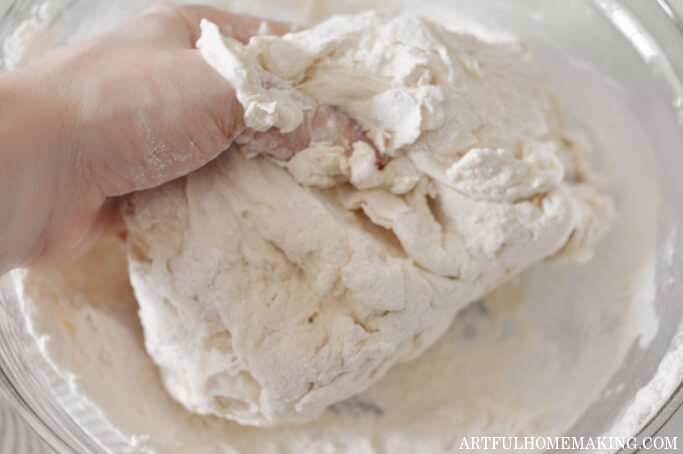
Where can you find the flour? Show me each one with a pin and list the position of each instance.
(265, 299)
(29, 40)
(528, 359)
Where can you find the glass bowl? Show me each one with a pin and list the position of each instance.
(616, 65)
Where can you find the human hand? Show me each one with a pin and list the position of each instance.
(127, 111)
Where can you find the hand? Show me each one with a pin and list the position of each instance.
(127, 111)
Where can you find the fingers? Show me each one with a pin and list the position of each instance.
(114, 224)
(236, 26)
(71, 236)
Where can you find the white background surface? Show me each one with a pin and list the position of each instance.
(675, 427)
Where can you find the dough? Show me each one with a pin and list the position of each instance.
(270, 290)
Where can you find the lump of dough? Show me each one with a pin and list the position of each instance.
(270, 290)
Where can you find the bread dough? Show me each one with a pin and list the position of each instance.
(270, 290)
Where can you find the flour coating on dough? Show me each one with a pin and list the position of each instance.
(270, 290)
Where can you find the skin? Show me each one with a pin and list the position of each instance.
(124, 112)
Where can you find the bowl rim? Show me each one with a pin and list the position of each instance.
(623, 15)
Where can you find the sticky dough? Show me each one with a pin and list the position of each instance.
(270, 290)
